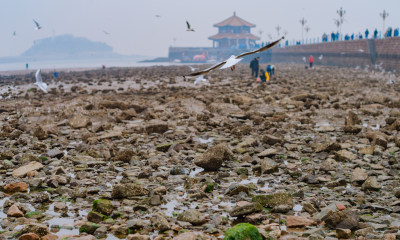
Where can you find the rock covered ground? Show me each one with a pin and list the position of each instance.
(140, 153)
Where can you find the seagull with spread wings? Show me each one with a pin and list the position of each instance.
(42, 85)
(233, 60)
(37, 25)
(188, 27)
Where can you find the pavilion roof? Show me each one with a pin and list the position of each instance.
(234, 21)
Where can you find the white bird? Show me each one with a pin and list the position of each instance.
(188, 27)
(304, 59)
(200, 79)
(233, 60)
(37, 25)
(320, 57)
(360, 50)
(192, 68)
(40, 82)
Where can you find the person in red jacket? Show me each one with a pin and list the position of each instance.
(311, 60)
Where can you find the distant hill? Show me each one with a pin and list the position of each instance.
(66, 46)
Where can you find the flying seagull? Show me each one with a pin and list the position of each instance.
(15, 33)
(233, 60)
(157, 15)
(188, 27)
(40, 82)
(37, 25)
(304, 59)
(106, 33)
(320, 57)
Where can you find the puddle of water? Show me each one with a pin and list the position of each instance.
(322, 124)
(249, 180)
(119, 177)
(50, 211)
(195, 172)
(285, 162)
(376, 127)
(170, 206)
(65, 232)
(297, 209)
(209, 140)
(111, 237)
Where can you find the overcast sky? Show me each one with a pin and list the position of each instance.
(134, 29)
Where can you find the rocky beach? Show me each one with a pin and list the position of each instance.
(144, 154)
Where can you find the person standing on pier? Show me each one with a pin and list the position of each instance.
(366, 33)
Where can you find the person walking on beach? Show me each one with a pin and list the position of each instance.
(311, 60)
(254, 65)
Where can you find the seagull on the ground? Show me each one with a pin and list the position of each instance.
(188, 27)
(42, 85)
(37, 25)
(320, 57)
(360, 50)
(233, 60)
(200, 79)
(192, 68)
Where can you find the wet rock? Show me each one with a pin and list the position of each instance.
(274, 200)
(22, 171)
(352, 119)
(6, 155)
(89, 228)
(327, 147)
(345, 156)
(329, 165)
(371, 184)
(192, 236)
(14, 211)
(160, 222)
(155, 200)
(396, 192)
(156, 126)
(297, 221)
(55, 153)
(358, 175)
(40, 133)
(137, 236)
(49, 237)
(243, 231)
(95, 217)
(16, 187)
(308, 207)
(343, 233)
(214, 157)
(79, 121)
(346, 219)
(235, 189)
(38, 229)
(269, 166)
(271, 140)
(191, 216)
(29, 236)
(124, 155)
(245, 209)
(128, 190)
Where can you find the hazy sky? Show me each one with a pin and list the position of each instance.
(134, 29)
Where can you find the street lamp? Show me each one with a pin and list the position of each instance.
(307, 28)
(341, 13)
(384, 15)
(302, 22)
(278, 28)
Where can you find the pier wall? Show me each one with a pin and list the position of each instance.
(384, 52)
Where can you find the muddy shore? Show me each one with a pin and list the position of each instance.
(142, 153)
